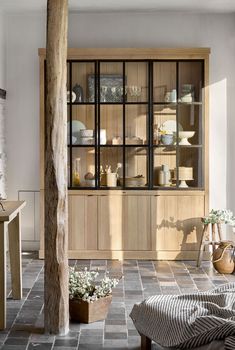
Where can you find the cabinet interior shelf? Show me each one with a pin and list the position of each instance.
(179, 146)
(178, 103)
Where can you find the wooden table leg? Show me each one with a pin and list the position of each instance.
(201, 246)
(15, 256)
(145, 343)
(3, 274)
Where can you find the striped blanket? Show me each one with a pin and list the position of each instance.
(188, 321)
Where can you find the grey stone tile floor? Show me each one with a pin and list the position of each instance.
(141, 279)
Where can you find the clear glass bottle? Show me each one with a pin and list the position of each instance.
(76, 172)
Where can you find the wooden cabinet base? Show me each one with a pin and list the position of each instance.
(140, 255)
(84, 312)
(148, 226)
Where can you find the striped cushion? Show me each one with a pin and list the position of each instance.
(188, 321)
(215, 345)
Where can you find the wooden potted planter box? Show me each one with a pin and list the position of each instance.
(85, 312)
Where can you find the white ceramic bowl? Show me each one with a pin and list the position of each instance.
(184, 136)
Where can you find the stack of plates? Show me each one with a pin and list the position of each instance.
(87, 137)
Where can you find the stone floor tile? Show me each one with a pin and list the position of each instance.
(90, 347)
(91, 340)
(16, 341)
(63, 348)
(66, 342)
(40, 346)
(115, 335)
(13, 347)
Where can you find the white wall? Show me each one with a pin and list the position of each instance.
(25, 33)
(2, 53)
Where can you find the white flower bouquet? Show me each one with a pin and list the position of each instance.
(83, 285)
(221, 216)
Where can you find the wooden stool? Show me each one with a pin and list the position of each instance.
(209, 238)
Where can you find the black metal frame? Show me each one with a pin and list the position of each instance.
(150, 147)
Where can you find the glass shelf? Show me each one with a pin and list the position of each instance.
(80, 103)
(178, 103)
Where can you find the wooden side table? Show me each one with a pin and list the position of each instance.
(10, 222)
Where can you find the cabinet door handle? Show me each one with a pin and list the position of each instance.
(90, 195)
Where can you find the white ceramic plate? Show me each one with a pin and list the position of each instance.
(76, 127)
(170, 126)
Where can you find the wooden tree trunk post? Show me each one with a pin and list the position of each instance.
(56, 212)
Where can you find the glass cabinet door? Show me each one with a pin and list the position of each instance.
(137, 87)
(136, 167)
(135, 124)
(110, 82)
(190, 81)
(178, 139)
(81, 125)
(164, 82)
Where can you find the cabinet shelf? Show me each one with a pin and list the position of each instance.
(124, 103)
(174, 104)
(80, 103)
(170, 147)
(175, 188)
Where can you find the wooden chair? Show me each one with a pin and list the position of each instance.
(209, 238)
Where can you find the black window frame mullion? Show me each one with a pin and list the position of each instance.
(177, 124)
(96, 127)
(150, 159)
(124, 125)
(202, 115)
(70, 124)
(98, 131)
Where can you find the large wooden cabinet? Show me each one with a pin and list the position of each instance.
(132, 107)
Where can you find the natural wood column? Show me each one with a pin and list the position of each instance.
(56, 212)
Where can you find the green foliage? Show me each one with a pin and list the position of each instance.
(222, 216)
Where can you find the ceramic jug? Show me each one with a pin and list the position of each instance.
(223, 257)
